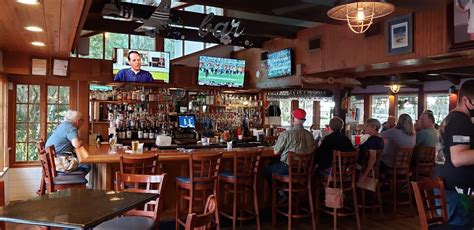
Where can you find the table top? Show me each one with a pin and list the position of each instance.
(73, 208)
(101, 154)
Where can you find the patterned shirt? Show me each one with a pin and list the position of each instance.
(297, 139)
(130, 76)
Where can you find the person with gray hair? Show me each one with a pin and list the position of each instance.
(65, 137)
(370, 146)
(334, 141)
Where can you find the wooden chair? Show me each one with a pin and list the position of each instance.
(377, 197)
(425, 162)
(149, 216)
(297, 182)
(41, 148)
(53, 181)
(270, 140)
(243, 179)
(400, 175)
(202, 221)
(343, 166)
(431, 202)
(139, 164)
(203, 175)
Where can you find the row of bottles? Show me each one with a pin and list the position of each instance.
(226, 99)
(131, 94)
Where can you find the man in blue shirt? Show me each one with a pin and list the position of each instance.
(65, 138)
(134, 74)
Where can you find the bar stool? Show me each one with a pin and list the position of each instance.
(203, 175)
(343, 168)
(425, 162)
(297, 182)
(400, 175)
(203, 221)
(139, 164)
(377, 197)
(243, 179)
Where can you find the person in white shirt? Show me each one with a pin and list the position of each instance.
(468, 7)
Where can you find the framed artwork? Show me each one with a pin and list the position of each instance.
(400, 35)
(39, 66)
(460, 24)
(60, 67)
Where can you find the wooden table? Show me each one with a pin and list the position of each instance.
(73, 208)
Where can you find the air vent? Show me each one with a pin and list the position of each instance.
(314, 44)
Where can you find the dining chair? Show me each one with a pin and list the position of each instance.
(54, 181)
(297, 184)
(342, 177)
(431, 202)
(202, 221)
(149, 216)
(139, 164)
(241, 182)
(425, 162)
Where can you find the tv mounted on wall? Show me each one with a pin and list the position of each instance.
(280, 63)
(216, 71)
(157, 63)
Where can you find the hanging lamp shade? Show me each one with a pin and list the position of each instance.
(359, 15)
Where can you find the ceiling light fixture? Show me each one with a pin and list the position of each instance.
(360, 14)
(394, 88)
(28, 2)
(34, 28)
(38, 43)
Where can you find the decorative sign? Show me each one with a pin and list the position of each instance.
(222, 30)
(39, 66)
(60, 67)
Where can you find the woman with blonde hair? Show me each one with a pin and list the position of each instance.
(403, 135)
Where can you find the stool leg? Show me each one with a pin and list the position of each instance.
(290, 205)
(379, 199)
(218, 224)
(363, 204)
(274, 204)
(178, 199)
(394, 190)
(356, 209)
(334, 219)
(234, 207)
(311, 206)
(409, 193)
(317, 202)
(255, 203)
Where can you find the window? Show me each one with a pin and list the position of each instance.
(356, 112)
(96, 47)
(58, 105)
(142, 43)
(27, 122)
(113, 40)
(439, 104)
(174, 47)
(285, 107)
(379, 107)
(192, 47)
(327, 108)
(408, 104)
(307, 105)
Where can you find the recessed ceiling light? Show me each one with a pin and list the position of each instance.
(34, 28)
(28, 2)
(38, 44)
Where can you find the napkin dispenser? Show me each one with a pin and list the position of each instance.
(163, 140)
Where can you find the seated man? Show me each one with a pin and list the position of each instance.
(427, 135)
(65, 138)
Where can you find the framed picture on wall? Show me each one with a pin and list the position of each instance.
(60, 67)
(400, 35)
(460, 24)
(39, 66)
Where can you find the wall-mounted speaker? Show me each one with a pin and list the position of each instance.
(83, 46)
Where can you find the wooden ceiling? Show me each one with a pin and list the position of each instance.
(60, 20)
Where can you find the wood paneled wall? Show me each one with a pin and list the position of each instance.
(252, 64)
(341, 48)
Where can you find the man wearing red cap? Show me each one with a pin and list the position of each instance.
(297, 139)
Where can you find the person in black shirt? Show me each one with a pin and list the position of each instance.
(457, 136)
(370, 146)
(334, 141)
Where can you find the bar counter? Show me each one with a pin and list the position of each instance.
(172, 162)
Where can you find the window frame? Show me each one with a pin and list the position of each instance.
(371, 115)
(43, 83)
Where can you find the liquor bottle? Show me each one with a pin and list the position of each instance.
(151, 133)
(140, 132)
(129, 131)
(145, 132)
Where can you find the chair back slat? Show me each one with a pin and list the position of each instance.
(343, 166)
(139, 164)
(425, 162)
(51, 153)
(246, 163)
(143, 184)
(402, 158)
(46, 167)
(299, 164)
(202, 221)
(204, 167)
(431, 202)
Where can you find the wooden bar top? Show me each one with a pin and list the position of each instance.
(101, 154)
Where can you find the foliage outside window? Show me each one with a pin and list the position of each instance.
(379, 107)
(285, 107)
(142, 43)
(112, 41)
(356, 109)
(58, 105)
(307, 105)
(408, 104)
(439, 104)
(27, 122)
(96, 47)
(327, 111)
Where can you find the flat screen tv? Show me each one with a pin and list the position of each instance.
(157, 63)
(187, 121)
(279, 63)
(216, 71)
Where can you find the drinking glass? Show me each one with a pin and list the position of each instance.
(135, 146)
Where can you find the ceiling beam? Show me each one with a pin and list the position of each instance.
(451, 78)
